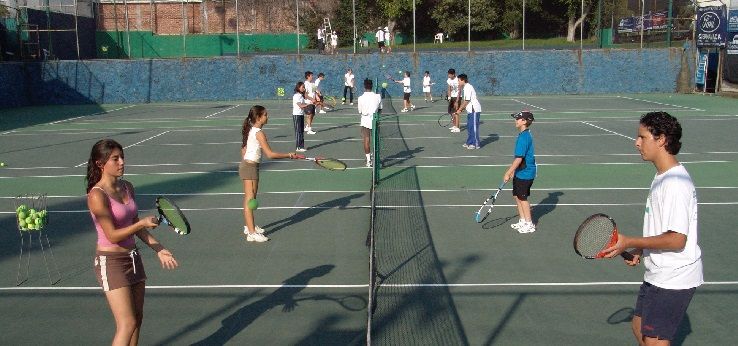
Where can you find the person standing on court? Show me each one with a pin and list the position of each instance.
(312, 102)
(253, 143)
(452, 95)
(473, 108)
(668, 247)
(348, 86)
(369, 103)
(321, 40)
(298, 116)
(379, 35)
(523, 171)
(118, 265)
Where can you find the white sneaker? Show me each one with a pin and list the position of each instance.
(300, 150)
(404, 110)
(311, 132)
(465, 146)
(306, 129)
(321, 111)
(518, 225)
(259, 230)
(528, 227)
(472, 147)
(343, 103)
(257, 237)
(412, 108)
(455, 130)
(368, 163)
(352, 103)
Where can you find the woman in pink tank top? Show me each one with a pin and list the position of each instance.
(118, 265)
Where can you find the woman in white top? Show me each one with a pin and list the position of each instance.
(408, 106)
(348, 86)
(427, 86)
(254, 142)
(298, 115)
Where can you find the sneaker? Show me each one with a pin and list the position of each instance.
(257, 237)
(300, 150)
(310, 131)
(306, 129)
(343, 103)
(518, 225)
(404, 110)
(426, 100)
(465, 146)
(455, 129)
(412, 108)
(472, 147)
(352, 103)
(321, 111)
(259, 230)
(368, 163)
(528, 227)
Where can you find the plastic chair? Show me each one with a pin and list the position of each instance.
(438, 38)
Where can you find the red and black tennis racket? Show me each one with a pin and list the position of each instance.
(597, 233)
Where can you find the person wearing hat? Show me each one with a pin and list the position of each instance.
(523, 171)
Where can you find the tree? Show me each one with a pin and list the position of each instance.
(512, 17)
(452, 16)
(575, 17)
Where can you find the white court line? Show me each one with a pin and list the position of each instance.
(529, 105)
(225, 110)
(606, 130)
(139, 142)
(502, 284)
(660, 103)
(89, 115)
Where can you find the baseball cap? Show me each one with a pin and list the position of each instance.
(527, 115)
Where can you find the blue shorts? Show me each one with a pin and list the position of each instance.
(661, 310)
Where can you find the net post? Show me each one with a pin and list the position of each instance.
(375, 148)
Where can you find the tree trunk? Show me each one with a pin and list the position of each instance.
(574, 23)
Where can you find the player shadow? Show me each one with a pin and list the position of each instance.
(399, 157)
(283, 296)
(337, 127)
(491, 138)
(494, 223)
(338, 203)
(545, 206)
(339, 140)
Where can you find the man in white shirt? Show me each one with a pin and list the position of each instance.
(406, 90)
(348, 85)
(470, 103)
(310, 99)
(452, 95)
(368, 104)
(321, 40)
(668, 247)
(380, 39)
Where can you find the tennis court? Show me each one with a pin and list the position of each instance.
(444, 279)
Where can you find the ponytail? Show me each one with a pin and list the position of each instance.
(254, 113)
(100, 153)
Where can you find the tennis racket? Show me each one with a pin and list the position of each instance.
(389, 77)
(596, 233)
(444, 120)
(170, 215)
(489, 202)
(330, 101)
(327, 163)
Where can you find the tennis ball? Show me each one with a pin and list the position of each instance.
(384, 85)
(2, 164)
(253, 204)
(383, 66)
(400, 71)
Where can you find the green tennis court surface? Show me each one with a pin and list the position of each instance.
(444, 278)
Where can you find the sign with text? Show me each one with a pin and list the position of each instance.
(732, 46)
(711, 26)
(733, 21)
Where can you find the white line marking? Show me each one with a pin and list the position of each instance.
(660, 103)
(502, 284)
(606, 130)
(89, 115)
(528, 104)
(139, 142)
(225, 110)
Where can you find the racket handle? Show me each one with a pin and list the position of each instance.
(627, 255)
(299, 157)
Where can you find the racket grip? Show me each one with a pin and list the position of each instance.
(627, 255)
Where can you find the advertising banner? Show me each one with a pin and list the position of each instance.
(711, 26)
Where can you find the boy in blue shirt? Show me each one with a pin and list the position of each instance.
(523, 171)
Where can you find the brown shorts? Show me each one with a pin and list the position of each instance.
(118, 269)
(248, 170)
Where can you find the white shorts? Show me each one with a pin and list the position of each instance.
(426, 88)
(366, 121)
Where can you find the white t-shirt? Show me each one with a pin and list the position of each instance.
(470, 95)
(379, 35)
(253, 147)
(454, 84)
(672, 206)
(348, 79)
(309, 91)
(426, 84)
(297, 98)
(334, 40)
(368, 104)
(317, 85)
(406, 85)
(320, 34)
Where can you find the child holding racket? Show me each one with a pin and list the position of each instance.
(523, 171)
(470, 103)
(118, 265)
(668, 247)
(253, 143)
(369, 103)
(408, 106)
(452, 95)
(311, 101)
(427, 87)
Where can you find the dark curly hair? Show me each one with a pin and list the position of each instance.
(664, 124)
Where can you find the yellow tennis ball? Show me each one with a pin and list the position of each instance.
(253, 204)
(2, 164)
(384, 85)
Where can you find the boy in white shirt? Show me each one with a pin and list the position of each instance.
(311, 100)
(408, 106)
(427, 87)
(470, 103)
(668, 247)
(368, 104)
(348, 85)
(452, 95)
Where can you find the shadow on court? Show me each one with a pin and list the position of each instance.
(284, 296)
(545, 206)
(338, 203)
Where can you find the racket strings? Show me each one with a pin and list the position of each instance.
(173, 216)
(594, 236)
(331, 164)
